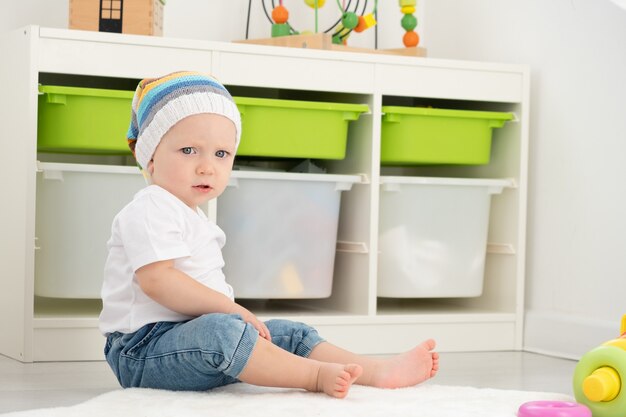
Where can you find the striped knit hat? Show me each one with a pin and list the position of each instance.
(160, 103)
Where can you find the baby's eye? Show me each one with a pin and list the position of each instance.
(221, 154)
(188, 150)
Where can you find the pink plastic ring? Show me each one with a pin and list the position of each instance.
(553, 409)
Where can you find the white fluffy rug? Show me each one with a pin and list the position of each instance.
(245, 400)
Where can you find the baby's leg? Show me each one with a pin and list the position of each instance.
(272, 366)
(403, 370)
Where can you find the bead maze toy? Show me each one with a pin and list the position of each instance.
(354, 16)
(600, 377)
(350, 19)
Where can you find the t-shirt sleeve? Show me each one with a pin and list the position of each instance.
(152, 231)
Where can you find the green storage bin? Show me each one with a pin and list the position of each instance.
(83, 120)
(295, 129)
(421, 136)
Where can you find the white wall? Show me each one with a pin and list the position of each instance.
(576, 269)
(15, 14)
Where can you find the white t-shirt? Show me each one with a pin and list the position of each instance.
(157, 226)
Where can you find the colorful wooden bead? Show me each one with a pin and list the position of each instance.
(410, 39)
(280, 14)
(408, 22)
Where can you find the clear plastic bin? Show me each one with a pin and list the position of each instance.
(76, 204)
(433, 236)
(281, 233)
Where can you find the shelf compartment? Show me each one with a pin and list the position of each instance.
(438, 309)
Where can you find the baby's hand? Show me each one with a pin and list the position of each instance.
(264, 332)
(260, 327)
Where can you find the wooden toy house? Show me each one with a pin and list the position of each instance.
(139, 17)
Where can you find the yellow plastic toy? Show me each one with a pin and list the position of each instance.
(600, 377)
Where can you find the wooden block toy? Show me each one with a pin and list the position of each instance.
(138, 17)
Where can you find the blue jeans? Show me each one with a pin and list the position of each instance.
(206, 352)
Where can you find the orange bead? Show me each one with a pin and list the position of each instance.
(280, 14)
(361, 25)
(365, 22)
(411, 38)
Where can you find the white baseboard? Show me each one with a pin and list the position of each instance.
(566, 336)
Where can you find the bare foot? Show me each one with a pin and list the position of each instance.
(409, 368)
(335, 379)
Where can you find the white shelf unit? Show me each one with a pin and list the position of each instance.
(44, 329)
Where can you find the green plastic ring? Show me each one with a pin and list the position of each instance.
(597, 358)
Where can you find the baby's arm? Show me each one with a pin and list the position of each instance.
(177, 291)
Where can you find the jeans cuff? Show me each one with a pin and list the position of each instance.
(308, 343)
(243, 351)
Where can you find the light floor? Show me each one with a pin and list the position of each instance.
(39, 385)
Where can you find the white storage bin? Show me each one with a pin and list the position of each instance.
(76, 204)
(281, 232)
(433, 236)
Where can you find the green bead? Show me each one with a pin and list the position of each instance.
(409, 22)
(349, 20)
(280, 29)
(337, 40)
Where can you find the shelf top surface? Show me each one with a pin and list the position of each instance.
(233, 47)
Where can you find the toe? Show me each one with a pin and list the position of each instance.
(428, 344)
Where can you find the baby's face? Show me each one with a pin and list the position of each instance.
(195, 158)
